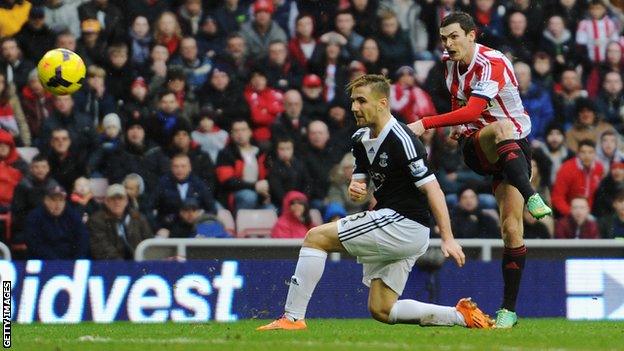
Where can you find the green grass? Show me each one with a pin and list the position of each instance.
(322, 334)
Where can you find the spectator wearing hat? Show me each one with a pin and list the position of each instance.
(67, 163)
(536, 101)
(194, 66)
(609, 187)
(63, 15)
(137, 105)
(578, 224)
(407, 99)
(587, 125)
(283, 73)
(94, 98)
(37, 105)
(190, 15)
(302, 43)
(393, 42)
(91, 42)
(611, 225)
(176, 83)
(210, 138)
(314, 105)
(231, 15)
(117, 230)
(82, 199)
(224, 97)
(119, 71)
(54, 231)
(178, 185)
(262, 30)
(294, 222)
(210, 38)
(110, 16)
(146, 158)
(181, 143)
(579, 176)
(110, 160)
(12, 169)
(139, 41)
(13, 65)
(35, 38)
(469, 221)
(291, 123)
(161, 125)
(265, 104)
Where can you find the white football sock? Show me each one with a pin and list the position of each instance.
(415, 312)
(309, 270)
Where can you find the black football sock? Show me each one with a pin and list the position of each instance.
(514, 165)
(513, 264)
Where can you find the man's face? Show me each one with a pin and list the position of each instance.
(236, 47)
(176, 85)
(468, 201)
(608, 143)
(40, 170)
(517, 24)
(66, 41)
(570, 80)
(182, 140)
(305, 27)
(258, 82)
(612, 83)
(556, 26)
(181, 168)
(159, 54)
(37, 23)
(586, 116)
(345, 23)
(136, 135)
(10, 51)
(140, 26)
(318, 134)
(60, 142)
(241, 133)
(55, 205)
(285, 151)
(293, 104)
(220, 80)
(366, 106)
(579, 210)
(278, 54)
(116, 205)
(456, 42)
(194, 7)
(168, 103)
(132, 188)
(262, 18)
(554, 138)
(190, 215)
(587, 154)
(188, 49)
(523, 73)
(64, 104)
(119, 58)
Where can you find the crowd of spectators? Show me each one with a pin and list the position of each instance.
(191, 106)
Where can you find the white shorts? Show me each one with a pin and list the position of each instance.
(386, 243)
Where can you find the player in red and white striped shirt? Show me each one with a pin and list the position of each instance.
(493, 126)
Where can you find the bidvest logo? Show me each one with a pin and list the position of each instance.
(595, 289)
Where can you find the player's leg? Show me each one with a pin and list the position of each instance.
(310, 266)
(514, 255)
(496, 140)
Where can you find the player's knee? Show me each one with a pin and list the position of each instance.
(379, 313)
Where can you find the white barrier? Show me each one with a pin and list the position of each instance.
(179, 247)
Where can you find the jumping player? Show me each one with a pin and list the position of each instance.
(388, 239)
(493, 126)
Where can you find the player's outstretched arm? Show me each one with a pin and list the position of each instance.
(437, 203)
(466, 114)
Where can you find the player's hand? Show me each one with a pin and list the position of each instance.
(357, 191)
(417, 127)
(452, 248)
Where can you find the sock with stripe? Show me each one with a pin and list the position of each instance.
(308, 272)
(416, 312)
(513, 264)
(514, 165)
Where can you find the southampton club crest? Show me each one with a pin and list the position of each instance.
(383, 160)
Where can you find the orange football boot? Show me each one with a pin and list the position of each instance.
(284, 323)
(474, 317)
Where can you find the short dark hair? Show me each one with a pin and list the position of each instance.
(240, 120)
(465, 21)
(39, 158)
(60, 129)
(587, 142)
(284, 139)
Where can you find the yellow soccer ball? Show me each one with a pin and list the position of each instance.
(61, 71)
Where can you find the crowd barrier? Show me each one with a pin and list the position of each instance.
(228, 290)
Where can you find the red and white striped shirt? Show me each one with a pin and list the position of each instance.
(596, 35)
(490, 76)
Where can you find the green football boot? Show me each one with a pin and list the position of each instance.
(505, 319)
(537, 207)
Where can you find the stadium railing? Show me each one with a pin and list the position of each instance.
(484, 249)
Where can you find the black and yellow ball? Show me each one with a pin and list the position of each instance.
(61, 71)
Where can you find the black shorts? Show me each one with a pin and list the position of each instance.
(475, 158)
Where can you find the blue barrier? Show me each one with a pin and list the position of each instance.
(194, 291)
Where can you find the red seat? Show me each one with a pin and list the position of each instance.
(255, 223)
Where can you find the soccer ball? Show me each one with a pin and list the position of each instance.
(61, 71)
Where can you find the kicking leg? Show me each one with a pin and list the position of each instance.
(514, 254)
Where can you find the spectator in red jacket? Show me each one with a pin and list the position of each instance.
(294, 222)
(12, 168)
(407, 99)
(578, 224)
(265, 104)
(579, 176)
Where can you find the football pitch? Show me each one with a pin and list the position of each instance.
(322, 334)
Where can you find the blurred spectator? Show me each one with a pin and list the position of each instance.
(282, 72)
(554, 148)
(13, 66)
(262, 30)
(224, 96)
(612, 225)
(91, 43)
(291, 123)
(181, 143)
(66, 165)
(533, 228)
(565, 98)
(609, 149)
(302, 44)
(408, 14)
(333, 212)
(572, 11)
(543, 72)
(319, 159)
(162, 123)
(371, 57)
(236, 58)
(578, 176)
(137, 105)
(612, 184)
(294, 222)
(264, 103)
(469, 221)
(533, 13)
(13, 14)
(433, 12)
(156, 67)
(577, 224)
(167, 31)
(407, 99)
(110, 17)
(595, 32)
(241, 171)
(119, 71)
(342, 127)
(37, 105)
(287, 171)
(139, 39)
(178, 185)
(54, 231)
(190, 14)
(331, 66)
(596, 81)
(12, 169)
(489, 22)
(63, 15)
(79, 125)
(138, 199)
(145, 157)
(192, 222)
(231, 15)
(536, 101)
(365, 14)
(285, 13)
(82, 199)
(340, 178)
(67, 40)
(610, 102)
(109, 160)
(518, 40)
(558, 42)
(35, 38)
(344, 25)
(210, 39)
(314, 105)
(209, 136)
(587, 125)
(195, 67)
(29, 194)
(94, 98)
(176, 82)
(12, 117)
(117, 230)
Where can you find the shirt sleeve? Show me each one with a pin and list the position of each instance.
(490, 80)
